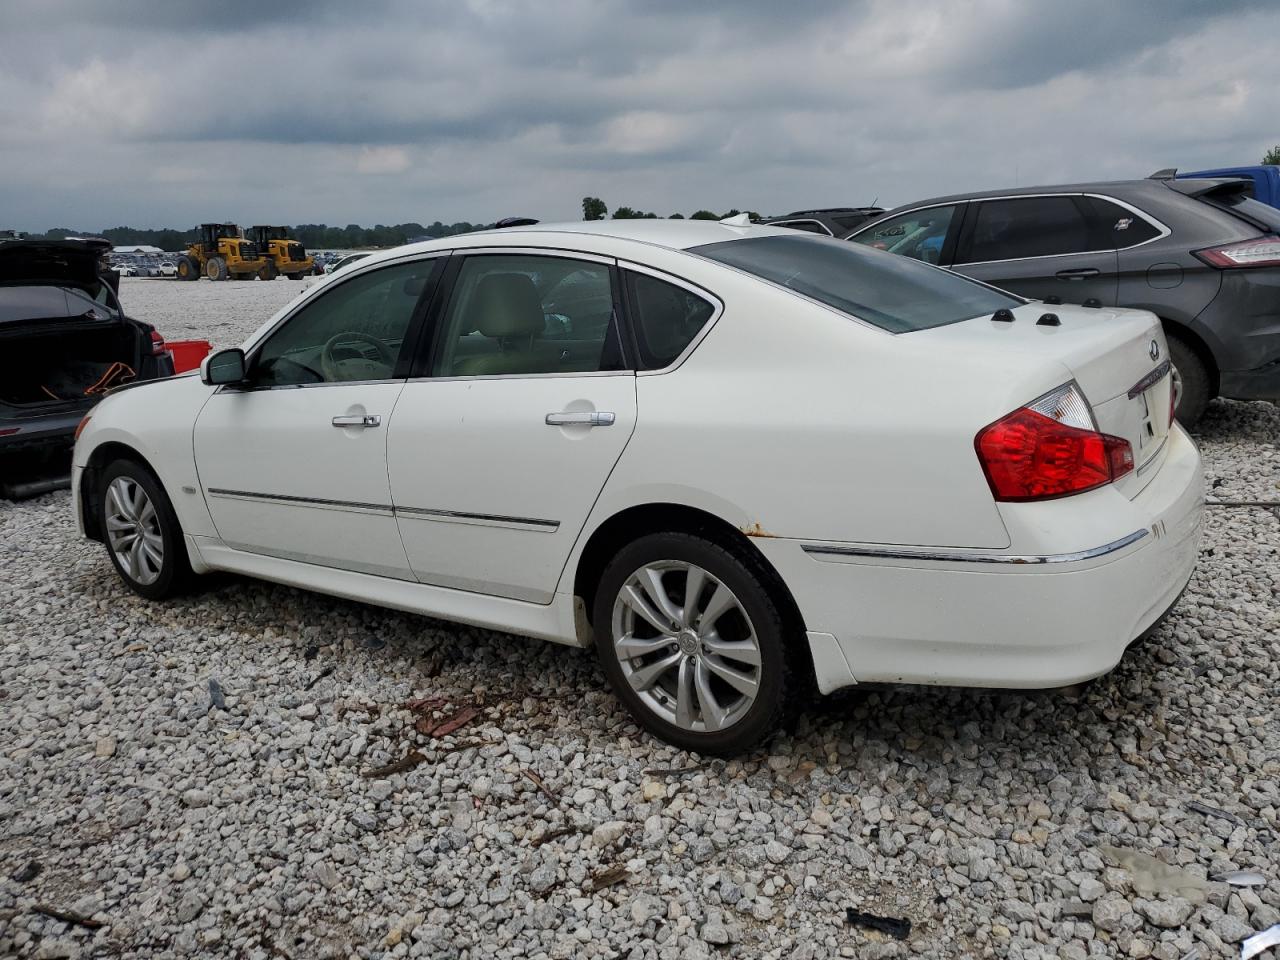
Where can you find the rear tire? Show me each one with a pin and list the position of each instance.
(1191, 380)
(269, 271)
(143, 537)
(216, 268)
(671, 675)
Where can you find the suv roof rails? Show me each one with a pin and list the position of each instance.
(1168, 173)
(514, 222)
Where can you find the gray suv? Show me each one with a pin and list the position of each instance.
(1200, 254)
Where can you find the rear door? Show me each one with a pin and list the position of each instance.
(502, 441)
(1040, 247)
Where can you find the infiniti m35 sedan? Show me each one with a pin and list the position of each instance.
(740, 461)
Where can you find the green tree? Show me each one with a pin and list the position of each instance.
(676, 216)
(1273, 155)
(704, 215)
(593, 208)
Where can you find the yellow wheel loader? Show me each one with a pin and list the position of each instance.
(284, 255)
(221, 253)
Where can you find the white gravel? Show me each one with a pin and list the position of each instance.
(999, 824)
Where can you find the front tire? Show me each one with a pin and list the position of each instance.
(216, 268)
(693, 640)
(143, 537)
(1191, 380)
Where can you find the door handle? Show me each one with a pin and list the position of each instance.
(369, 420)
(588, 418)
(1077, 274)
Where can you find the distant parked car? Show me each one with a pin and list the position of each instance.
(344, 261)
(125, 269)
(64, 341)
(1200, 254)
(738, 461)
(168, 268)
(830, 222)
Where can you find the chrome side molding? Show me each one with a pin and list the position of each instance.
(819, 550)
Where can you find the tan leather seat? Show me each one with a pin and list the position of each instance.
(506, 308)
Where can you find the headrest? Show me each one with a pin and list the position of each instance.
(507, 305)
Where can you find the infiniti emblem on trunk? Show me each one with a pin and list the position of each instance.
(1155, 350)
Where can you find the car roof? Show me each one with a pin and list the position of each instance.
(1115, 187)
(670, 234)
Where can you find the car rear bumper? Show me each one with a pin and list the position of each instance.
(1262, 383)
(993, 619)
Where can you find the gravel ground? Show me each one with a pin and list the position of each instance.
(199, 777)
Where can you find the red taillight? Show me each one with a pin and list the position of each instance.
(1258, 252)
(84, 422)
(1030, 455)
(157, 344)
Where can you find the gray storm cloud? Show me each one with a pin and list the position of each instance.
(163, 114)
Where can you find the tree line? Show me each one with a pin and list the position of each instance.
(593, 208)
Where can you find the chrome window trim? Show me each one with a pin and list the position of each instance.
(566, 253)
(818, 550)
(1159, 225)
(717, 310)
(523, 376)
(239, 388)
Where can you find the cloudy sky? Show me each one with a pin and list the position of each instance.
(385, 111)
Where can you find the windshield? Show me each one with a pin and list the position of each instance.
(894, 293)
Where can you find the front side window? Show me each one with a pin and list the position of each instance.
(521, 314)
(666, 318)
(352, 331)
(919, 234)
(893, 293)
(1027, 227)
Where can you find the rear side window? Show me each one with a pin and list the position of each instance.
(666, 318)
(894, 293)
(1026, 227)
(1117, 227)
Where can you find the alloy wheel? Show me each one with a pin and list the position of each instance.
(133, 530)
(686, 646)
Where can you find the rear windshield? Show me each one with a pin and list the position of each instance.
(895, 293)
(1254, 211)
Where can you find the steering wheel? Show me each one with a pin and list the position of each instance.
(357, 367)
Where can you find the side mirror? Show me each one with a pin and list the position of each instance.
(225, 366)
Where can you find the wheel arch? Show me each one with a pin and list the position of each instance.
(1199, 346)
(102, 456)
(630, 523)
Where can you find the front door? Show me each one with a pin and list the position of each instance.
(499, 452)
(1042, 247)
(294, 463)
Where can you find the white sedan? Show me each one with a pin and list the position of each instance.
(739, 461)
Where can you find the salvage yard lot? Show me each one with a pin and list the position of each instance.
(195, 775)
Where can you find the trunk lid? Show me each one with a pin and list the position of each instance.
(1118, 358)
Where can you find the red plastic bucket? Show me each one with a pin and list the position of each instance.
(187, 354)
